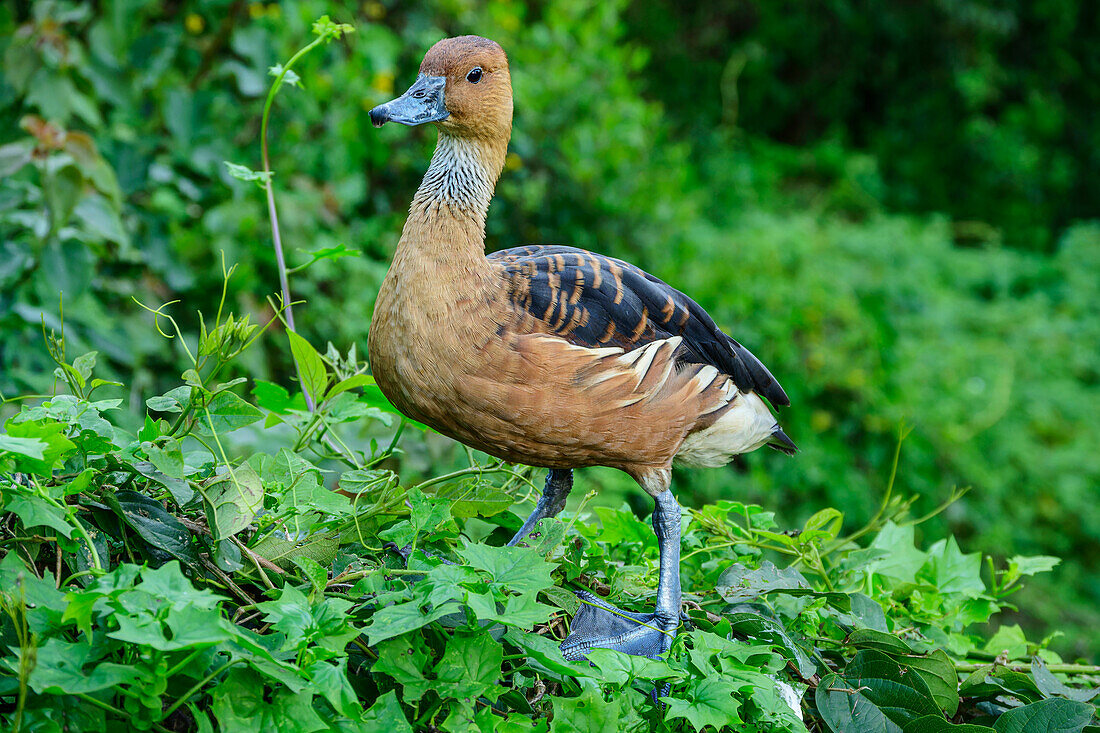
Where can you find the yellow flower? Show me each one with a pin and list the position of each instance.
(383, 82)
(194, 23)
(374, 10)
(821, 421)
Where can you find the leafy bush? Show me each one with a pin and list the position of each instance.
(149, 580)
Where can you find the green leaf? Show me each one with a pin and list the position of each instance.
(1009, 640)
(168, 458)
(315, 573)
(519, 569)
(311, 367)
(34, 511)
(707, 701)
(289, 77)
(883, 642)
(474, 498)
(386, 716)
(153, 524)
(49, 432)
(620, 668)
(244, 173)
(228, 412)
(590, 712)
(179, 488)
(406, 663)
(58, 670)
(1050, 685)
(328, 30)
(900, 696)
(329, 253)
(844, 708)
(739, 583)
(937, 724)
(953, 572)
(275, 398)
(233, 501)
(938, 672)
(1046, 716)
(27, 447)
(395, 620)
(174, 400)
(63, 190)
(760, 627)
(320, 547)
(359, 481)
(470, 667)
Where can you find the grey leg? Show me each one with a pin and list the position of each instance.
(599, 624)
(559, 482)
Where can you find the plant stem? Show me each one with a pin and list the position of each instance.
(276, 239)
(1055, 668)
(198, 686)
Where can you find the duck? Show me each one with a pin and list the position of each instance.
(552, 356)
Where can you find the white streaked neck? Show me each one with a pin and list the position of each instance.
(459, 181)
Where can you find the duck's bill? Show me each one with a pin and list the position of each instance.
(422, 103)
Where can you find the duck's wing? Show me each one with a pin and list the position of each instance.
(596, 301)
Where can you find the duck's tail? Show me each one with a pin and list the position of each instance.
(780, 442)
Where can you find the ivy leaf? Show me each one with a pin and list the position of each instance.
(386, 716)
(740, 583)
(58, 669)
(180, 490)
(395, 620)
(26, 447)
(518, 569)
(590, 712)
(289, 77)
(619, 668)
(470, 667)
(1050, 685)
(709, 701)
(49, 432)
(405, 662)
(328, 30)
(34, 511)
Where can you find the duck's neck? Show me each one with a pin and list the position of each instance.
(447, 216)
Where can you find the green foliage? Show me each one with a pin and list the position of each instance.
(230, 592)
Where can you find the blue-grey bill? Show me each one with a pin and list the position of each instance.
(422, 103)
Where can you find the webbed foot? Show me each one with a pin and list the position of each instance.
(598, 624)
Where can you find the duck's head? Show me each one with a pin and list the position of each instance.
(464, 87)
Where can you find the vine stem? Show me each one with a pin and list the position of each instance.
(269, 188)
(1055, 668)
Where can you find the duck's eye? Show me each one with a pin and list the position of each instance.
(474, 76)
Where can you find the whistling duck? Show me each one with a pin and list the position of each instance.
(551, 356)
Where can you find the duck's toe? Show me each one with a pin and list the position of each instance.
(600, 625)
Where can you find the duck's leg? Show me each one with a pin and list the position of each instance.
(599, 624)
(559, 482)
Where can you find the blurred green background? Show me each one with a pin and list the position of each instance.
(895, 205)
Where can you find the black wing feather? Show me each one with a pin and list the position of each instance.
(595, 301)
